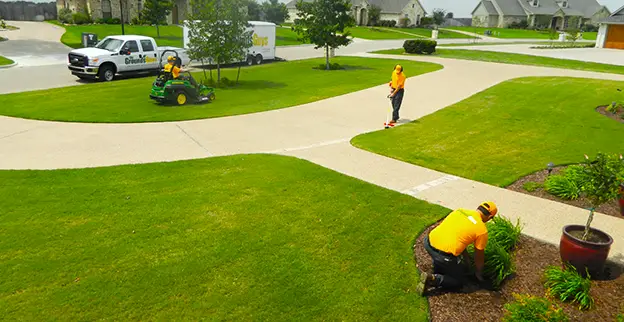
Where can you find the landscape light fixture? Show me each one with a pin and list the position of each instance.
(550, 166)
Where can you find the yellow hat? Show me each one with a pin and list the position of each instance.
(170, 58)
(488, 208)
(398, 68)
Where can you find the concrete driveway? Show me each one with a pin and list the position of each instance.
(34, 44)
(595, 55)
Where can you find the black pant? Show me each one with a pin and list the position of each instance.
(397, 99)
(447, 269)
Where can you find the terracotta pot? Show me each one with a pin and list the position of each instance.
(585, 254)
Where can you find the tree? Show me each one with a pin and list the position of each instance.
(438, 16)
(374, 15)
(449, 15)
(573, 29)
(323, 23)
(254, 11)
(218, 32)
(156, 11)
(275, 12)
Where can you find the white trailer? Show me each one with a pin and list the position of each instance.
(263, 41)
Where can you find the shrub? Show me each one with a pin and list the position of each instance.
(503, 232)
(3, 24)
(568, 285)
(420, 46)
(589, 28)
(562, 187)
(137, 21)
(499, 263)
(404, 22)
(523, 24)
(387, 23)
(81, 18)
(532, 186)
(620, 317)
(113, 21)
(332, 66)
(100, 21)
(527, 308)
(65, 15)
(426, 21)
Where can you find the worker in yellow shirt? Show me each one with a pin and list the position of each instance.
(397, 86)
(171, 68)
(449, 240)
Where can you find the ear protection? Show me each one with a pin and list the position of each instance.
(484, 211)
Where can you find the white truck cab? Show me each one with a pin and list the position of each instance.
(119, 55)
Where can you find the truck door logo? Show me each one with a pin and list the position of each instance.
(136, 60)
(260, 41)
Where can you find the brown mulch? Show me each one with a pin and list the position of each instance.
(611, 208)
(619, 116)
(532, 257)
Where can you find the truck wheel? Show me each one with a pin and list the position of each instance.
(106, 73)
(250, 60)
(180, 97)
(258, 59)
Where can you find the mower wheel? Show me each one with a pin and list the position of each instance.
(211, 97)
(180, 97)
(106, 73)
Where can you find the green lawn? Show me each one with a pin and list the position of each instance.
(427, 33)
(262, 88)
(169, 35)
(509, 130)
(379, 33)
(247, 237)
(286, 37)
(5, 61)
(506, 32)
(520, 59)
(482, 43)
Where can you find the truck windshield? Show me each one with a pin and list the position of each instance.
(109, 44)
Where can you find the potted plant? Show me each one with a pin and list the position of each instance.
(584, 247)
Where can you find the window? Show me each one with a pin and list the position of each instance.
(106, 9)
(406, 15)
(131, 46)
(535, 3)
(147, 45)
(413, 6)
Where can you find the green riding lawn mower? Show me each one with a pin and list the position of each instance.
(180, 91)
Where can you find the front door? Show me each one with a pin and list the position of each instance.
(615, 37)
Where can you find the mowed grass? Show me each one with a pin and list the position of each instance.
(169, 35)
(380, 33)
(286, 37)
(519, 59)
(247, 237)
(262, 88)
(5, 61)
(506, 32)
(508, 131)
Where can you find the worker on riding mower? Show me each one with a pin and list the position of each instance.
(173, 72)
(449, 240)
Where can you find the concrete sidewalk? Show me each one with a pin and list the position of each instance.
(316, 131)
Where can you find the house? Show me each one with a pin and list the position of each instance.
(611, 31)
(537, 13)
(390, 10)
(105, 9)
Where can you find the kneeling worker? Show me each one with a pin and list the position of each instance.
(449, 240)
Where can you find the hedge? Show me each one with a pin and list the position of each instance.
(420, 46)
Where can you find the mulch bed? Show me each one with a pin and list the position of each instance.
(619, 116)
(532, 257)
(611, 208)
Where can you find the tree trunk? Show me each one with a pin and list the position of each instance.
(204, 69)
(238, 74)
(326, 57)
(157, 31)
(218, 73)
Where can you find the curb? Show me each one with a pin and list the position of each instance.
(8, 66)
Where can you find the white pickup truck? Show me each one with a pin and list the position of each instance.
(120, 55)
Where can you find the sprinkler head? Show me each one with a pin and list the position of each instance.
(550, 167)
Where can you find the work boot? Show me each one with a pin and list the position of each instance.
(426, 280)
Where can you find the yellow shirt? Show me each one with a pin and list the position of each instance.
(174, 70)
(398, 80)
(459, 229)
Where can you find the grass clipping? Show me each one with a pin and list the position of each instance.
(503, 237)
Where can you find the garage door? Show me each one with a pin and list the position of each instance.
(615, 37)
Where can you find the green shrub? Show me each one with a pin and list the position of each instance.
(81, 18)
(577, 174)
(499, 263)
(387, 23)
(420, 46)
(532, 186)
(527, 308)
(332, 66)
(562, 187)
(568, 285)
(3, 24)
(620, 317)
(503, 232)
(404, 22)
(65, 15)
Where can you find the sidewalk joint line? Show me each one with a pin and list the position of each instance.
(192, 138)
(16, 133)
(428, 185)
